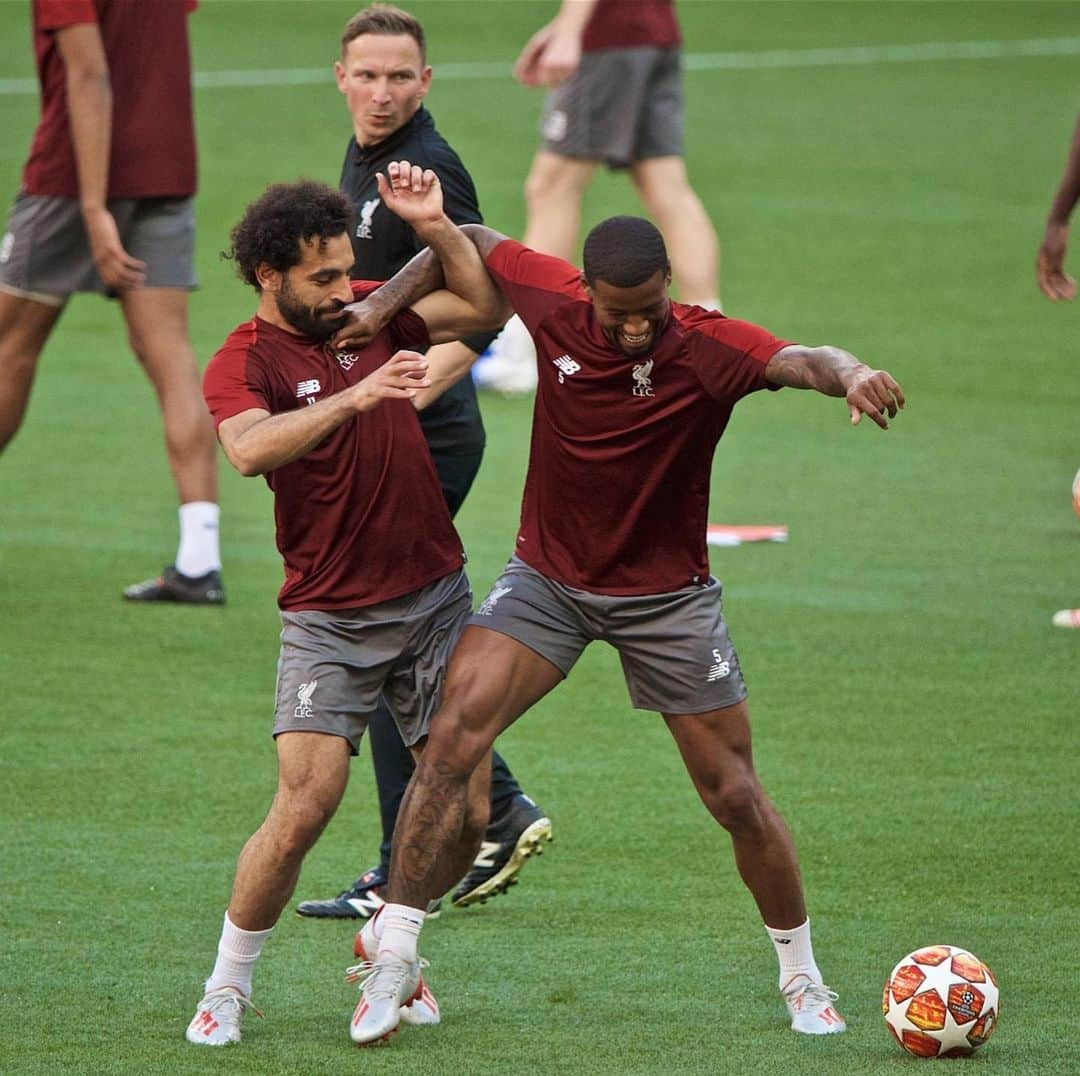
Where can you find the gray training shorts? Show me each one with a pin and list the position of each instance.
(675, 651)
(334, 665)
(45, 254)
(620, 106)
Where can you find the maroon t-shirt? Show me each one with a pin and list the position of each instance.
(361, 518)
(629, 24)
(152, 154)
(617, 493)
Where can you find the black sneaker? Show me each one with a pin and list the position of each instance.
(519, 832)
(360, 901)
(173, 586)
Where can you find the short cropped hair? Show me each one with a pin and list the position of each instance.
(384, 19)
(624, 252)
(286, 214)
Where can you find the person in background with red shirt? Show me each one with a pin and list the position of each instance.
(635, 392)
(106, 205)
(375, 591)
(613, 69)
(1056, 284)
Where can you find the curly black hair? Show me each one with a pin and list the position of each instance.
(624, 252)
(273, 226)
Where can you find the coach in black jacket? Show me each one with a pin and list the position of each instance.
(384, 76)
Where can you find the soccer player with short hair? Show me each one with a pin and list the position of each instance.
(375, 590)
(635, 392)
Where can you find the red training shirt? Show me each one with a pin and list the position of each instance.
(628, 24)
(617, 493)
(152, 154)
(361, 518)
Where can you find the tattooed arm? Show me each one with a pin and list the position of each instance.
(835, 372)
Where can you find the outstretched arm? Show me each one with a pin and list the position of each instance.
(1050, 263)
(835, 372)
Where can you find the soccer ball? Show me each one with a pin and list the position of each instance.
(1076, 493)
(940, 1001)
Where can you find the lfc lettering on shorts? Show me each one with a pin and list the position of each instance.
(303, 697)
(487, 606)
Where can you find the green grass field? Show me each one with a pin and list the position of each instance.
(914, 709)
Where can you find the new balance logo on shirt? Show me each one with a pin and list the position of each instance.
(566, 366)
(308, 389)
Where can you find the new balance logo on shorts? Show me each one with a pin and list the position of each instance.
(487, 606)
(719, 669)
(566, 367)
(303, 699)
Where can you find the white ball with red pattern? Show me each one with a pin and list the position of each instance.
(941, 1001)
(1076, 493)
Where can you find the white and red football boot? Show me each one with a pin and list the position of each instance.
(421, 1010)
(811, 1007)
(217, 1018)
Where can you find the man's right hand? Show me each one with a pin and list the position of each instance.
(367, 319)
(1050, 264)
(401, 377)
(550, 57)
(117, 268)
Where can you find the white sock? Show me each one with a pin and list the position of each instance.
(371, 932)
(400, 930)
(795, 953)
(236, 955)
(199, 552)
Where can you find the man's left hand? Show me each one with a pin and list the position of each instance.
(874, 393)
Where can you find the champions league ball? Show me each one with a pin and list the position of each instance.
(940, 1001)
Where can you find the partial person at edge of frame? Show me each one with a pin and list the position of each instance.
(1056, 284)
(107, 205)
